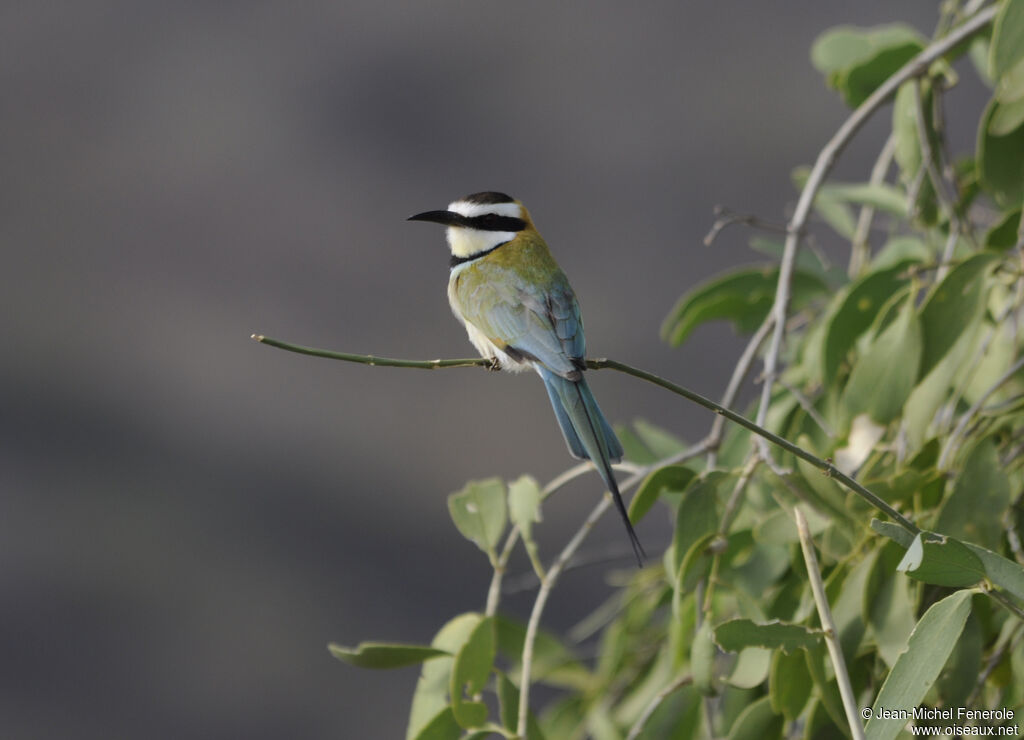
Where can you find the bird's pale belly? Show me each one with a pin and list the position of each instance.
(487, 348)
(483, 345)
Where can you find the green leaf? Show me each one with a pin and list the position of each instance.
(431, 697)
(508, 704)
(856, 61)
(478, 511)
(695, 565)
(839, 48)
(848, 605)
(524, 504)
(384, 655)
(639, 694)
(830, 706)
(856, 312)
(486, 731)
(864, 79)
(894, 532)
(952, 306)
(737, 634)
(667, 479)
(928, 648)
(979, 52)
(900, 250)
(1001, 571)
(878, 195)
(1006, 118)
(823, 493)
(508, 701)
(981, 492)
(702, 658)
(565, 717)
(677, 716)
(902, 487)
(473, 664)
(751, 669)
(884, 376)
(698, 514)
(1001, 159)
(756, 722)
(661, 442)
(743, 297)
(778, 528)
(891, 606)
(636, 451)
(943, 562)
(762, 568)
(909, 153)
(837, 213)
(1011, 84)
(831, 204)
(1004, 234)
(790, 683)
(807, 260)
(960, 676)
(1007, 47)
(442, 726)
(907, 150)
(932, 392)
(553, 663)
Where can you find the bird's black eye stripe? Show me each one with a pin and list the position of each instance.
(494, 222)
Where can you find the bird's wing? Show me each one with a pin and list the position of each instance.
(542, 324)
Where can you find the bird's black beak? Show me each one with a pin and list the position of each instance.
(448, 218)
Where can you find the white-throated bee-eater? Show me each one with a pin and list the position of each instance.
(520, 312)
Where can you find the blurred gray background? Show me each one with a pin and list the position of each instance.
(187, 518)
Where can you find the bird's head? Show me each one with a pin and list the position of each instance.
(479, 222)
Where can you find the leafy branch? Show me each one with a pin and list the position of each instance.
(823, 165)
(894, 385)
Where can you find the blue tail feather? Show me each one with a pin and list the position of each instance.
(589, 435)
(572, 440)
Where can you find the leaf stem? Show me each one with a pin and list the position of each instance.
(372, 359)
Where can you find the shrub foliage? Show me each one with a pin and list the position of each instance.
(901, 369)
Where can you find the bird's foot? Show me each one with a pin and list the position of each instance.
(493, 364)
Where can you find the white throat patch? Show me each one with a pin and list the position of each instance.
(465, 242)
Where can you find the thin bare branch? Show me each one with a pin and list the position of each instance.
(725, 217)
(835, 650)
(806, 405)
(928, 160)
(860, 251)
(728, 516)
(739, 374)
(372, 359)
(826, 467)
(547, 584)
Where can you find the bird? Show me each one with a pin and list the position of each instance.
(521, 313)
